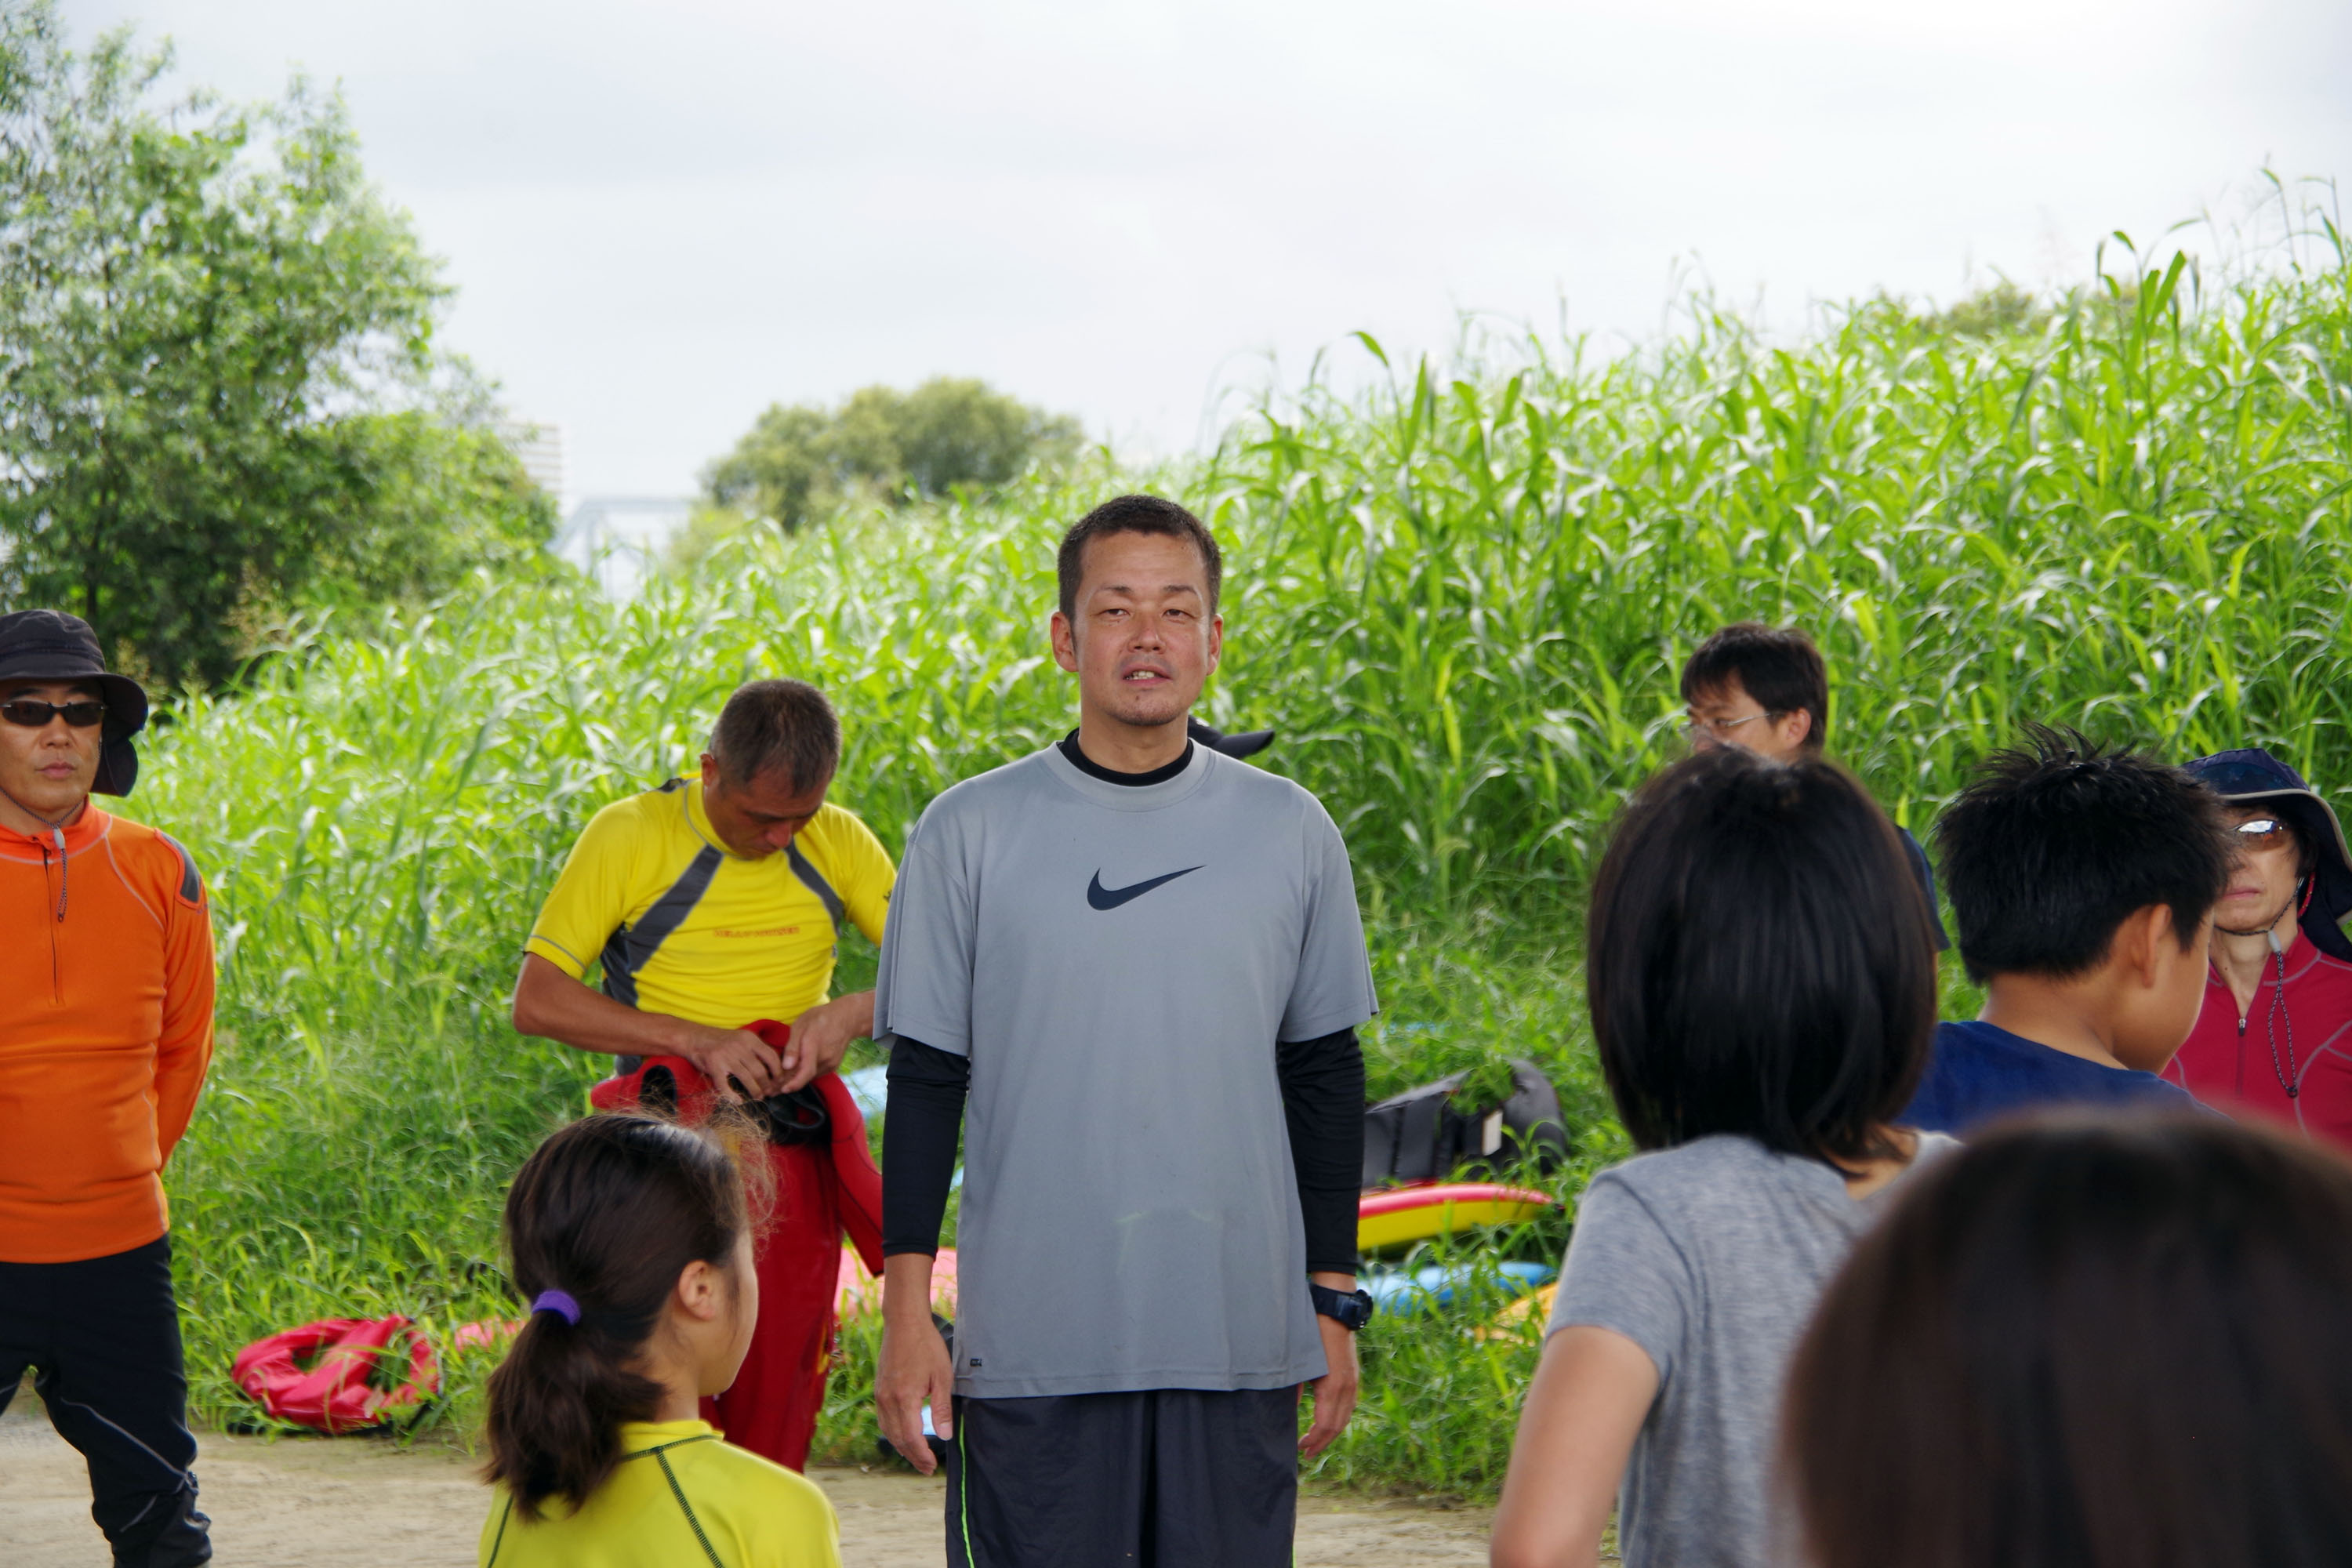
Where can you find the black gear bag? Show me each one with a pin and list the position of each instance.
(1423, 1135)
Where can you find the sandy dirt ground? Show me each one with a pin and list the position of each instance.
(299, 1503)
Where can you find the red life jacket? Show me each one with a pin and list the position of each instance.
(317, 1375)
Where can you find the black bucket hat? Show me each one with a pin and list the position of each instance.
(2252, 775)
(49, 645)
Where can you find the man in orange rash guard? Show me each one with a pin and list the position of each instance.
(106, 1029)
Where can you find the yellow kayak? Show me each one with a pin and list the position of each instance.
(1398, 1217)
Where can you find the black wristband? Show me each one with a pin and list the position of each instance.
(1351, 1312)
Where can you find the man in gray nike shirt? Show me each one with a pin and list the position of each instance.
(1133, 968)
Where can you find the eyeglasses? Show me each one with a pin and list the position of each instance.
(2263, 829)
(33, 714)
(1720, 729)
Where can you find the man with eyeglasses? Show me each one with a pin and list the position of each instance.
(1766, 689)
(2274, 1037)
(106, 1029)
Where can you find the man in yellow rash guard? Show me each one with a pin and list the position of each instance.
(679, 1497)
(715, 902)
(711, 904)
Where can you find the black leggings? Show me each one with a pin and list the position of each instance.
(102, 1336)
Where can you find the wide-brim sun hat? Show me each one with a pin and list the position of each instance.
(49, 645)
(2251, 776)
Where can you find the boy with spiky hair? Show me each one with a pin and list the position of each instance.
(2083, 881)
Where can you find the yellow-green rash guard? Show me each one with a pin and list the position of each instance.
(682, 1498)
(681, 926)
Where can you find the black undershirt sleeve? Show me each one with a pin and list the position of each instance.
(920, 1123)
(1323, 1102)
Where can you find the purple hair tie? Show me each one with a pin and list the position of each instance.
(559, 1302)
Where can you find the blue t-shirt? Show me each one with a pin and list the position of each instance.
(1979, 1071)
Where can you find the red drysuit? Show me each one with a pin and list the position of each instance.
(823, 1191)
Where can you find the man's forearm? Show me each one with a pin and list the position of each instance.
(857, 1008)
(907, 1286)
(184, 1049)
(179, 1078)
(553, 1006)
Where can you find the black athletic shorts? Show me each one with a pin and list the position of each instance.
(1170, 1478)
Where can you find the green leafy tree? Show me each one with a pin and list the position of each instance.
(441, 496)
(880, 442)
(953, 432)
(782, 468)
(2000, 307)
(202, 308)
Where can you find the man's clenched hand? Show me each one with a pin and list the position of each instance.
(737, 1054)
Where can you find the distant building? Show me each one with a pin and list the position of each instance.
(539, 446)
(616, 540)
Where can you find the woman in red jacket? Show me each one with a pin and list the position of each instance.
(2274, 1038)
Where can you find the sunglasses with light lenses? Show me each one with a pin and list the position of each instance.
(33, 713)
(2263, 830)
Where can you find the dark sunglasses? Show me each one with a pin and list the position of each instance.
(2263, 829)
(33, 714)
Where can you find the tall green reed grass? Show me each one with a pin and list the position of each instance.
(1461, 595)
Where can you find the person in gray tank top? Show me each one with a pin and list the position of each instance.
(1762, 979)
(1131, 969)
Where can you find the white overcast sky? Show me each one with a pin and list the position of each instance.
(661, 219)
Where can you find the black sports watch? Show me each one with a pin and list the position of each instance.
(1350, 1312)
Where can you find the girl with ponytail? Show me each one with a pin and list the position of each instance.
(633, 1238)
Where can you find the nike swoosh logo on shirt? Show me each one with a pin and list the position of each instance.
(1104, 898)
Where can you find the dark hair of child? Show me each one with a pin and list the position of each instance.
(2088, 1341)
(1758, 960)
(2055, 842)
(609, 1210)
(1778, 666)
